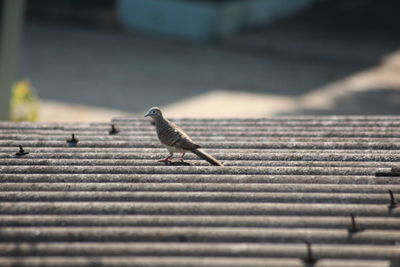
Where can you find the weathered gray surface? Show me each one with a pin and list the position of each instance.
(108, 202)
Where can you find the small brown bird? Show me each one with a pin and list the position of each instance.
(175, 139)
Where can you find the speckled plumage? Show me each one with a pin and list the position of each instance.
(171, 135)
(175, 139)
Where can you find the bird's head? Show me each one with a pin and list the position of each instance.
(154, 112)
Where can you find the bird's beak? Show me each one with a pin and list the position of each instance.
(147, 114)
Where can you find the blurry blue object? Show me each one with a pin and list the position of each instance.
(264, 11)
(202, 20)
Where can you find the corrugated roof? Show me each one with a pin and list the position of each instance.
(294, 191)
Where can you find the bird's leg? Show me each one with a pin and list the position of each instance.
(181, 158)
(167, 158)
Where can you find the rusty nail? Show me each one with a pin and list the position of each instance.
(113, 130)
(73, 140)
(310, 257)
(393, 202)
(21, 151)
(354, 228)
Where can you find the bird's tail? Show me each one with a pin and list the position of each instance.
(207, 157)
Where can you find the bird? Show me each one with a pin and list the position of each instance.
(175, 139)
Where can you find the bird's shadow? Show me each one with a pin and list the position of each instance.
(176, 163)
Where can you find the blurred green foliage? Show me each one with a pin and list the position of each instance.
(24, 102)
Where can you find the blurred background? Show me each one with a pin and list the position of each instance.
(91, 60)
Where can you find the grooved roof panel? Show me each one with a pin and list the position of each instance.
(294, 191)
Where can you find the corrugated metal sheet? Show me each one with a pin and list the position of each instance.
(294, 191)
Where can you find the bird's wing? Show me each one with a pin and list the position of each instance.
(172, 135)
(182, 140)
